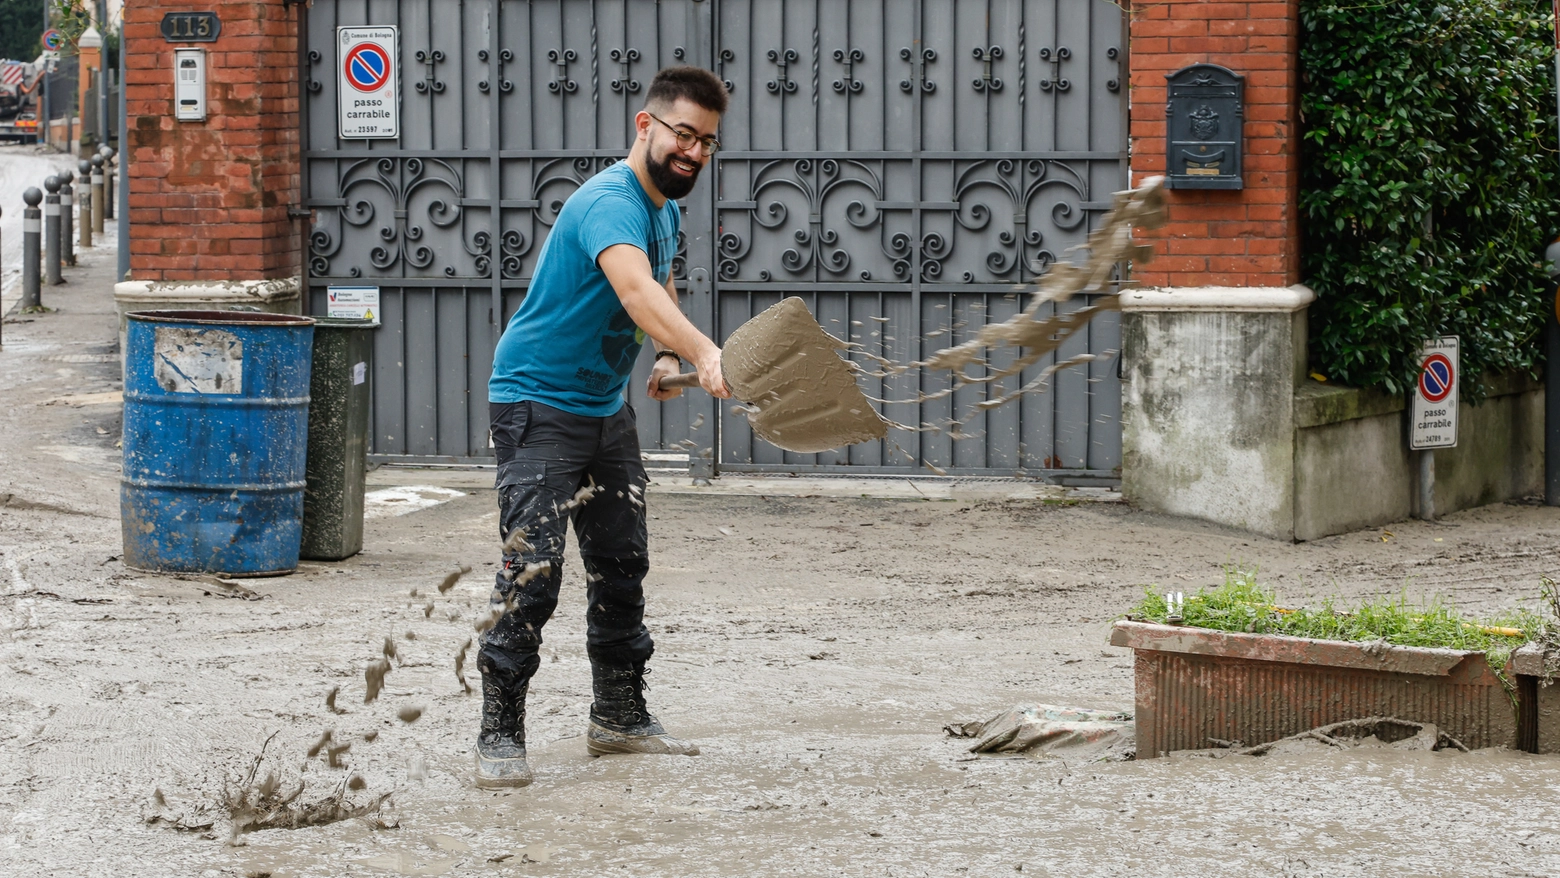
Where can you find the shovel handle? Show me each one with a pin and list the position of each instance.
(685, 379)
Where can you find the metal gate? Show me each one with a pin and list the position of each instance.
(899, 164)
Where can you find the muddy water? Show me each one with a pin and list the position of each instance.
(819, 680)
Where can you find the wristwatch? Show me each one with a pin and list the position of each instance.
(668, 353)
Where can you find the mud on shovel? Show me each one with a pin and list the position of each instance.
(800, 395)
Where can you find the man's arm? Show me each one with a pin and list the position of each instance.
(653, 308)
(664, 367)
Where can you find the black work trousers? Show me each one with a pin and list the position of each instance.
(545, 456)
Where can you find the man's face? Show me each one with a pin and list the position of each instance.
(672, 168)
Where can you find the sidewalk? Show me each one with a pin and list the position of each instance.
(21, 167)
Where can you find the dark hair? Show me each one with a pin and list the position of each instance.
(692, 83)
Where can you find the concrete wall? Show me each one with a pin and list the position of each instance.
(1207, 406)
(1220, 423)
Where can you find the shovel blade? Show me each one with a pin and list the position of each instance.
(800, 395)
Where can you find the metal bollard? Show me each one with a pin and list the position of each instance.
(67, 229)
(108, 181)
(51, 232)
(97, 195)
(32, 243)
(84, 171)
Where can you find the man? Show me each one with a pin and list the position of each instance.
(560, 424)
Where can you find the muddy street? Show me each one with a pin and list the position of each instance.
(813, 637)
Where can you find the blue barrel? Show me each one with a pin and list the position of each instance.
(216, 431)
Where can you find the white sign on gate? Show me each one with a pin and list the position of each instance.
(1433, 413)
(361, 303)
(368, 97)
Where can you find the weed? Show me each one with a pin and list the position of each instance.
(1240, 604)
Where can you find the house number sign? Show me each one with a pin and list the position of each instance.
(191, 27)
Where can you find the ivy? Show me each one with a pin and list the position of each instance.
(1429, 184)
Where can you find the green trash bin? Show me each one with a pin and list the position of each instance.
(338, 438)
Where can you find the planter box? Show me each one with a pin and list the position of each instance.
(1538, 724)
(1195, 684)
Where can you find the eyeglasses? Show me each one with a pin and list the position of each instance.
(686, 138)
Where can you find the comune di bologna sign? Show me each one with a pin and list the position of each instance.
(370, 103)
(901, 165)
(1433, 412)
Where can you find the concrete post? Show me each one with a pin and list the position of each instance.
(32, 244)
(108, 181)
(51, 231)
(1427, 485)
(84, 169)
(67, 227)
(97, 195)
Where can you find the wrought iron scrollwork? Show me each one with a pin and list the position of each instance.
(1055, 57)
(918, 69)
(388, 193)
(624, 83)
(726, 57)
(1114, 83)
(986, 82)
(783, 58)
(315, 86)
(814, 186)
(429, 82)
(561, 59)
(1022, 252)
(850, 59)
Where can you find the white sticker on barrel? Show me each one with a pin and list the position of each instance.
(359, 373)
(198, 361)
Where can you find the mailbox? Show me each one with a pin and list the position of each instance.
(1203, 127)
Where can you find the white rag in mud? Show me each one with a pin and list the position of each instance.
(1044, 728)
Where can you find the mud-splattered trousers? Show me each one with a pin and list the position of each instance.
(545, 455)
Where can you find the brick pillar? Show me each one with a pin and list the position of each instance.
(209, 200)
(1214, 341)
(1223, 238)
(89, 57)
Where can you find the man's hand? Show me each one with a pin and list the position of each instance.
(710, 377)
(665, 367)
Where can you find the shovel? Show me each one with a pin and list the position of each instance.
(800, 395)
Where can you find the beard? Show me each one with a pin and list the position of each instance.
(672, 184)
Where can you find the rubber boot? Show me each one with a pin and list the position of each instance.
(619, 720)
(501, 740)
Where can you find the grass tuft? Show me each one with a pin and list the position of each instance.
(1240, 604)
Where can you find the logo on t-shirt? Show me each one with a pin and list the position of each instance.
(620, 343)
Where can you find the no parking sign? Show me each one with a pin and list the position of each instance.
(368, 97)
(1433, 414)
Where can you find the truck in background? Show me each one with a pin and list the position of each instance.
(20, 89)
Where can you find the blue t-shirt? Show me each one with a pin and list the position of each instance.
(572, 345)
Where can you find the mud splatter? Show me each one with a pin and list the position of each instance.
(319, 745)
(460, 665)
(333, 755)
(409, 714)
(453, 577)
(516, 542)
(374, 676)
(269, 804)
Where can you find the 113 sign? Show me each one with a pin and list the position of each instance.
(191, 27)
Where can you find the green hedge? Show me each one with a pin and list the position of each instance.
(1428, 184)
